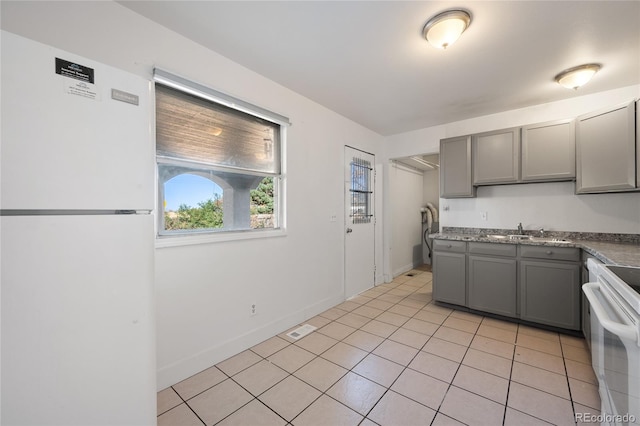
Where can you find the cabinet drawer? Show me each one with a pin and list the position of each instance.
(550, 253)
(449, 245)
(493, 249)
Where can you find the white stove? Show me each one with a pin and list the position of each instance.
(627, 283)
(614, 299)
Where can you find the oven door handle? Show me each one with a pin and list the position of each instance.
(621, 330)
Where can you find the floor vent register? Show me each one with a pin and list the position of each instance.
(301, 331)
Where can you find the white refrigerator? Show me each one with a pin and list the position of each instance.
(76, 240)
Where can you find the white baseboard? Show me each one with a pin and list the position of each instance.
(401, 270)
(187, 367)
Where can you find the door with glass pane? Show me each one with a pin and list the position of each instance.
(359, 221)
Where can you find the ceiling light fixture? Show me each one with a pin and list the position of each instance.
(577, 76)
(445, 28)
(215, 131)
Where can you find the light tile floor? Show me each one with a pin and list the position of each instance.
(390, 356)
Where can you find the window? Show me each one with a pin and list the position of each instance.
(219, 161)
(360, 190)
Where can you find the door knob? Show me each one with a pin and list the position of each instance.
(349, 230)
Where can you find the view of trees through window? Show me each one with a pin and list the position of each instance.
(208, 213)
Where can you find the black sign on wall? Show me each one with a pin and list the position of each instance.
(72, 70)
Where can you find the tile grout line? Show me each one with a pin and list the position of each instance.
(351, 370)
(458, 369)
(405, 296)
(566, 373)
(388, 388)
(540, 390)
(292, 374)
(188, 406)
(513, 361)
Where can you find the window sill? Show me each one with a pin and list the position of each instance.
(163, 241)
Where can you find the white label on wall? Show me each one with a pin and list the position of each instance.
(120, 95)
(82, 89)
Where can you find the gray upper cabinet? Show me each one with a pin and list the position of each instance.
(496, 157)
(606, 150)
(455, 168)
(549, 151)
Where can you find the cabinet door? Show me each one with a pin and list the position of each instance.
(606, 150)
(455, 168)
(492, 284)
(450, 278)
(549, 151)
(550, 293)
(496, 157)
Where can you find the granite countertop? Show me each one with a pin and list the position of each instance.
(623, 251)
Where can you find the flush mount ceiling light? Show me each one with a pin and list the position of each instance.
(215, 131)
(445, 28)
(577, 76)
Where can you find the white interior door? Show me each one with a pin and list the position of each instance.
(359, 221)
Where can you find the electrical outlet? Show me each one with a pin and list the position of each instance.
(483, 215)
(254, 309)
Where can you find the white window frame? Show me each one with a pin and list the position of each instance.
(205, 236)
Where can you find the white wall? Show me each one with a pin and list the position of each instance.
(203, 292)
(406, 228)
(548, 205)
(552, 206)
(431, 187)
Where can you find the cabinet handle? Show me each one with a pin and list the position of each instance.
(549, 252)
(449, 246)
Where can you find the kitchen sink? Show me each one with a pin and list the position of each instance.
(520, 237)
(560, 240)
(552, 240)
(508, 237)
(496, 236)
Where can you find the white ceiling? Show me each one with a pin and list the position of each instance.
(367, 60)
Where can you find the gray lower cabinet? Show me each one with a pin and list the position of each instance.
(540, 284)
(606, 150)
(492, 284)
(550, 293)
(449, 272)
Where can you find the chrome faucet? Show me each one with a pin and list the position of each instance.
(541, 232)
(520, 232)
